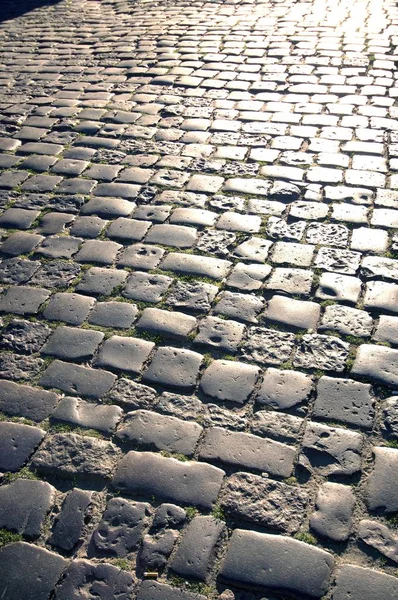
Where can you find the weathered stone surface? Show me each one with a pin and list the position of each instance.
(382, 484)
(17, 444)
(229, 380)
(17, 367)
(333, 516)
(25, 401)
(124, 353)
(174, 367)
(69, 526)
(321, 352)
(184, 482)
(268, 346)
(151, 590)
(269, 423)
(132, 395)
(380, 537)
(195, 553)
(24, 336)
(121, 527)
(331, 450)
(378, 363)
(69, 455)
(199, 266)
(357, 583)
(83, 578)
(41, 571)
(24, 504)
(389, 423)
(344, 400)
(87, 414)
(145, 428)
(276, 562)
(247, 450)
(75, 379)
(265, 502)
(346, 320)
(283, 389)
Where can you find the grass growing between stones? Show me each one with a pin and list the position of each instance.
(7, 537)
(306, 537)
(24, 473)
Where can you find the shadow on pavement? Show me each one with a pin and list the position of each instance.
(10, 9)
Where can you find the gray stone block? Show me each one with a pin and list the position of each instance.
(24, 504)
(333, 516)
(357, 583)
(17, 444)
(382, 485)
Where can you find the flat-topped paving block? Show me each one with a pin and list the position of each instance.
(141, 256)
(260, 187)
(121, 527)
(264, 502)
(124, 353)
(108, 207)
(333, 515)
(69, 455)
(118, 190)
(146, 287)
(68, 527)
(17, 444)
(220, 333)
(297, 313)
(229, 380)
(167, 323)
(378, 363)
(291, 281)
(178, 236)
(283, 389)
(26, 401)
(276, 562)
(101, 281)
(152, 590)
(87, 414)
(331, 450)
(379, 536)
(174, 367)
(196, 551)
(23, 300)
(387, 330)
(83, 577)
(248, 277)
(69, 308)
(344, 400)
(199, 266)
(347, 320)
(381, 491)
(75, 379)
(41, 571)
(24, 504)
(113, 314)
(72, 343)
(18, 218)
(127, 229)
(247, 450)
(187, 483)
(163, 432)
(98, 251)
(244, 307)
(277, 425)
(356, 583)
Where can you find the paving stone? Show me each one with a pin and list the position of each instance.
(76, 379)
(174, 367)
(229, 380)
(23, 400)
(67, 307)
(247, 450)
(168, 515)
(248, 277)
(282, 427)
(381, 488)
(339, 261)
(97, 280)
(122, 525)
(87, 227)
(24, 336)
(103, 580)
(280, 229)
(86, 414)
(152, 590)
(255, 249)
(156, 549)
(196, 551)
(296, 313)
(291, 281)
(380, 537)
(188, 483)
(69, 526)
(132, 395)
(331, 450)
(220, 333)
(167, 323)
(16, 270)
(42, 569)
(378, 363)
(239, 306)
(389, 423)
(70, 455)
(321, 352)
(268, 346)
(141, 256)
(333, 514)
(346, 320)
(344, 400)
(124, 353)
(108, 207)
(354, 583)
(381, 295)
(259, 560)
(283, 389)
(194, 296)
(59, 246)
(113, 314)
(23, 300)
(145, 287)
(338, 287)
(17, 444)
(15, 366)
(199, 266)
(264, 502)
(145, 428)
(216, 242)
(24, 504)
(379, 266)
(18, 218)
(73, 343)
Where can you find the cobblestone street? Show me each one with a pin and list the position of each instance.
(199, 300)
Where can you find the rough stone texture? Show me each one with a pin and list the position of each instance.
(24, 504)
(195, 552)
(321, 352)
(151, 590)
(276, 562)
(382, 485)
(86, 414)
(182, 482)
(377, 363)
(284, 389)
(68, 454)
(228, 380)
(344, 400)
(121, 527)
(380, 537)
(267, 346)
(265, 502)
(42, 569)
(69, 526)
(333, 515)
(390, 418)
(83, 578)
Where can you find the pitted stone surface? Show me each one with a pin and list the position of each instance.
(83, 578)
(380, 537)
(355, 583)
(17, 444)
(333, 515)
(69, 526)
